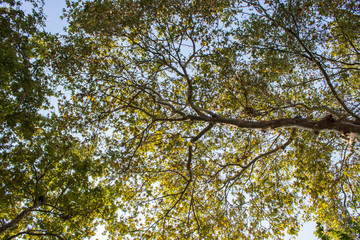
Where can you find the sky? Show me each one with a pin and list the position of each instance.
(54, 9)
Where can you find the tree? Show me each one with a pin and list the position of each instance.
(52, 182)
(215, 119)
(229, 119)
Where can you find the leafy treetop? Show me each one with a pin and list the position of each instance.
(214, 119)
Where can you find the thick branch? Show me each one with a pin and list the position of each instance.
(327, 124)
(21, 215)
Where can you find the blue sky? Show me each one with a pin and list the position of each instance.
(53, 10)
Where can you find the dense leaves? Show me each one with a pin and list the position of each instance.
(64, 175)
(209, 119)
(52, 183)
(23, 82)
(328, 234)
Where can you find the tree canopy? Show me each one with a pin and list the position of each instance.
(184, 119)
(49, 178)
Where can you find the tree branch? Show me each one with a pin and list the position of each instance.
(326, 124)
(317, 63)
(35, 233)
(252, 162)
(20, 216)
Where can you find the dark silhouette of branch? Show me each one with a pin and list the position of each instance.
(326, 124)
(38, 202)
(35, 233)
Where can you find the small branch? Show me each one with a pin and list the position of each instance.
(35, 233)
(173, 206)
(190, 179)
(252, 162)
(313, 59)
(205, 130)
(188, 164)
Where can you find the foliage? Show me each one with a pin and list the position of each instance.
(336, 234)
(61, 172)
(207, 119)
(185, 89)
(52, 183)
(23, 82)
